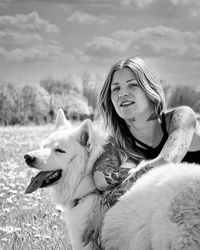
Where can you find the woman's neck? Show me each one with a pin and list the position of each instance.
(149, 132)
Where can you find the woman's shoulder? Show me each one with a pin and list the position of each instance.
(180, 110)
(178, 115)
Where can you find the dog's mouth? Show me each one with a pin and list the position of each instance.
(43, 179)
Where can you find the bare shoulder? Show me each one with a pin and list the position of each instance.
(180, 117)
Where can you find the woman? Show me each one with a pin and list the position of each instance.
(133, 106)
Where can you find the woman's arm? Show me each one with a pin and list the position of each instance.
(181, 130)
(182, 126)
(107, 172)
(107, 175)
(110, 197)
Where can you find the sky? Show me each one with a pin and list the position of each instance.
(56, 38)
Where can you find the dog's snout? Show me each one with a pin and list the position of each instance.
(30, 159)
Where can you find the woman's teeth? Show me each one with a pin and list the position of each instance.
(124, 104)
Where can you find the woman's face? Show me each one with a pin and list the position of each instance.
(128, 98)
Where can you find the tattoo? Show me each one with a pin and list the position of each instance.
(115, 176)
(153, 116)
(109, 165)
(143, 170)
(112, 196)
(131, 119)
(180, 136)
(179, 120)
(175, 148)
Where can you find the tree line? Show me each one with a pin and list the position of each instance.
(38, 103)
(24, 103)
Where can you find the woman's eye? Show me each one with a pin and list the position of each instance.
(115, 89)
(131, 85)
(59, 150)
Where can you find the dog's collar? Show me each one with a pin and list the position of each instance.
(76, 201)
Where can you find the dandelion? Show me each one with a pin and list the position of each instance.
(59, 208)
(24, 207)
(4, 240)
(46, 237)
(26, 200)
(9, 200)
(55, 214)
(6, 210)
(5, 188)
(12, 191)
(55, 227)
(37, 236)
(10, 229)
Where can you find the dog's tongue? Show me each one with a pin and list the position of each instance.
(37, 181)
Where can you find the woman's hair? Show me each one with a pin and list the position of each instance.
(117, 126)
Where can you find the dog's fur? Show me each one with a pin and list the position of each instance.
(160, 211)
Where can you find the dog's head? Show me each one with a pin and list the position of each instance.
(67, 156)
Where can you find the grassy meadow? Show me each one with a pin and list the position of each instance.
(26, 221)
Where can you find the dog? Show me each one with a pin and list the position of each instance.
(160, 211)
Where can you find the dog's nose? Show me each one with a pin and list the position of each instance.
(30, 159)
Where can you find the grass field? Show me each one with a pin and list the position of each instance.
(26, 221)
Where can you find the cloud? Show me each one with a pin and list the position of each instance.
(154, 8)
(83, 17)
(32, 53)
(30, 22)
(12, 37)
(139, 3)
(129, 8)
(166, 41)
(104, 47)
(28, 38)
(152, 42)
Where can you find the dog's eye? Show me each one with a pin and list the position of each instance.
(59, 150)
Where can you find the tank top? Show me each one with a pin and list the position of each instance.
(152, 152)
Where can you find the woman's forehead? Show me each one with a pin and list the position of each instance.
(124, 73)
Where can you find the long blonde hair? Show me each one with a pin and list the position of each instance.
(116, 125)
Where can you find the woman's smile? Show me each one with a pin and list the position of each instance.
(125, 104)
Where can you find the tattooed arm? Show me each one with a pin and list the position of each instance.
(107, 176)
(107, 172)
(110, 197)
(182, 125)
(181, 130)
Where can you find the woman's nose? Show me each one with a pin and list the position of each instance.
(123, 93)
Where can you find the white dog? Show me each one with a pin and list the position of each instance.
(160, 211)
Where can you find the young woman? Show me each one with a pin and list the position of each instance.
(133, 106)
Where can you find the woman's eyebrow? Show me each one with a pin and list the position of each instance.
(114, 83)
(131, 80)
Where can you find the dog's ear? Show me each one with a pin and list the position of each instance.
(60, 119)
(87, 134)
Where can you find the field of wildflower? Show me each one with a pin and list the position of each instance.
(26, 221)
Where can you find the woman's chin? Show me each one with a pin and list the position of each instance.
(127, 117)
